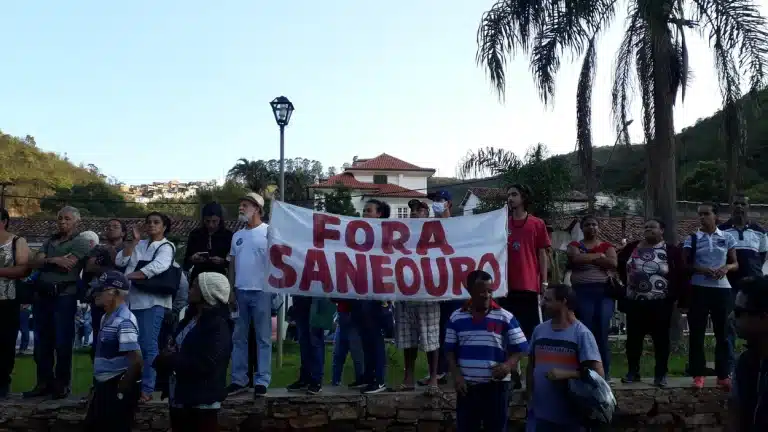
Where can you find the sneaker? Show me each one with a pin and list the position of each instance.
(660, 382)
(630, 378)
(60, 392)
(724, 384)
(698, 382)
(357, 384)
(441, 379)
(235, 389)
(314, 389)
(297, 386)
(38, 391)
(374, 388)
(259, 391)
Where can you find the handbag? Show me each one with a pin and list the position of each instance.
(615, 289)
(165, 283)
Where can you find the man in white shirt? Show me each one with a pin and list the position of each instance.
(247, 267)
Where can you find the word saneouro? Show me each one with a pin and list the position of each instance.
(392, 268)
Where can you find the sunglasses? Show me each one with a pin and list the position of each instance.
(738, 311)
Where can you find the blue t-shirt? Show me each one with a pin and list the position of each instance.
(482, 344)
(119, 335)
(558, 349)
(711, 252)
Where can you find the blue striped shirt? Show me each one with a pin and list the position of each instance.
(119, 335)
(481, 344)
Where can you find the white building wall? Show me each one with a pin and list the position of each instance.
(472, 202)
(408, 180)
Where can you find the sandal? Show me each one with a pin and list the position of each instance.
(144, 398)
(432, 391)
(405, 388)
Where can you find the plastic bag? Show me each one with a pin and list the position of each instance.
(592, 397)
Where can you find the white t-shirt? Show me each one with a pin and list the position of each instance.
(249, 250)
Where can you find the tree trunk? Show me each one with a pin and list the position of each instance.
(662, 162)
(733, 143)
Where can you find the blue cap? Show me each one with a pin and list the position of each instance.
(441, 194)
(112, 280)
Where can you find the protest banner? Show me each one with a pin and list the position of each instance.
(320, 254)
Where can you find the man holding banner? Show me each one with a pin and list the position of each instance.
(247, 268)
(417, 325)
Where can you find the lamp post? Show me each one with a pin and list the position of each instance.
(282, 108)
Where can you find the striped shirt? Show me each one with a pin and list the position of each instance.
(751, 247)
(119, 335)
(481, 344)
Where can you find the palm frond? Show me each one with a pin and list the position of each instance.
(741, 29)
(488, 161)
(645, 63)
(624, 74)
(496, 40)
(584, 113)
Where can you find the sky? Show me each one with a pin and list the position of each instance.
(154, 91)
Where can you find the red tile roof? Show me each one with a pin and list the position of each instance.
(37, 229)
(484, 193)
(611, 229)
(393, 190)
(385, 162)
(347, 180)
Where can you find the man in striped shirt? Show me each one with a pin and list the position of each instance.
(483, 344)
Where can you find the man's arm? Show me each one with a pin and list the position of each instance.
(542, 244)
(128, 339)
(529, 376)
(543, 265)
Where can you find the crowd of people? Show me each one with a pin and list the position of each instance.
(135, 292)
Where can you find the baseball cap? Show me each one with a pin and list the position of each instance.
(414, 203)
(441, 194)
(254, 198)
(112, 280)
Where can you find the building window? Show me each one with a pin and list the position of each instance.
(379, 179)
(403, 212)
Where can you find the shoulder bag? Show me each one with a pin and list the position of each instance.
(163, 284)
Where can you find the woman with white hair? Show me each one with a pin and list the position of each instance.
(198, 356)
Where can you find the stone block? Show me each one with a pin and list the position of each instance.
(284, 410)
(430, 426)
(700, 420)
(381, 408)
(374, 424)
(308, 422)
(408, 416)
(344, 412)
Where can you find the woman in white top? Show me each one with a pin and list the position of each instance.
(148, 308)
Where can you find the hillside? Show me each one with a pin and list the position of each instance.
(699, 148)
(34, 172)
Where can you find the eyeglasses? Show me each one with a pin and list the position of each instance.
(738, 311)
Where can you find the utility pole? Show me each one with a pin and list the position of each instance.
(2, 192)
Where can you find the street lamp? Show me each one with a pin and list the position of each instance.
(282, 108)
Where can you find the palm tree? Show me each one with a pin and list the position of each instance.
(256, 175)
(653, 55)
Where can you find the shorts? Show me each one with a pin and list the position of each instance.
(417, 324)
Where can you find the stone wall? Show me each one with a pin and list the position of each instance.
(642, 408)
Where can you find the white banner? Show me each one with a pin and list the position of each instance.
(320, 254)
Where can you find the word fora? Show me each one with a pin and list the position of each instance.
(353, 260)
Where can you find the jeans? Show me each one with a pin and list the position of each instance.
(486, 404)
(652, 317)
(368, 316)
(346, 340)
(252, 307)
(731, 334)
(311, 343)
(54, 336)
(150, 320)
(446, 309)
(24, 329)
(716, 303)
(595, 310)
(9, 328)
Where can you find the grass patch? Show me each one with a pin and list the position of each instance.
(24, 372)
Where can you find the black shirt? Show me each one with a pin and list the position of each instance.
(217, 244)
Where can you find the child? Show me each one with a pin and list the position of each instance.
(483, 344)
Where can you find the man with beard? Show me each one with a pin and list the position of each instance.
(247, 266)
(527, 263)
(748, 406)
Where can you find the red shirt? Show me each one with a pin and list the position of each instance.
(525, 238)
(342, 306)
